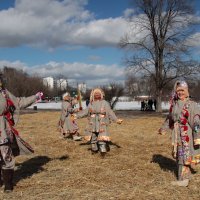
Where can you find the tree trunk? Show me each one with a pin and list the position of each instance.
(159, 100)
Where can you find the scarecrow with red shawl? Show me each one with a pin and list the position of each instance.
(11, 144)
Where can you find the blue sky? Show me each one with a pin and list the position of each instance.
(74, 38)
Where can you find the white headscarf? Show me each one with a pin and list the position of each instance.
(66, 95)
(182, 84)
(96, 90)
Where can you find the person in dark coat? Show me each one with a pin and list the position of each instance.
(87, 101)
(155, 104)
(150, 104)
(142, 105)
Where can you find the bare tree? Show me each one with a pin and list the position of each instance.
(114, 90)
(159, 50)
(21, 84)
(139, 86)
(132, 86)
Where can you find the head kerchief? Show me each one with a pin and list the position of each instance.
(180, 83)
(99, 90)
(66, 95)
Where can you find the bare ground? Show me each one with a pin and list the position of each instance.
(139, 165)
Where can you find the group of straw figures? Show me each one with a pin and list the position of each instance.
(183, 119)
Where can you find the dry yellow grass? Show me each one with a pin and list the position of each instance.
(139, 165)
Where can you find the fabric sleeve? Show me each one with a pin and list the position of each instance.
(63, 112)
(110, 113)
(82, 113)
(194, 121)
(22, 102)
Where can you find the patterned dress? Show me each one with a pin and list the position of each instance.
(184, 119)
(99, 115)
(67, 123)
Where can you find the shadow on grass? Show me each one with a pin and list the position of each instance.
(108, 143)
(166, 164)
(114, 144)
(30, 167)
(33, 166)
(65, 157)
(85, 143)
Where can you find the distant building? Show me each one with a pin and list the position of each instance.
(49, 82)
(52, 83)
(62, 84)
(82, 87)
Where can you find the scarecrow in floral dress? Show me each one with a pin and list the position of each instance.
(184, 120)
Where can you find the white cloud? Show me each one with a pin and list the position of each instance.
(194, 40)
(128, 12)
(91, 74)
(52, 23)
(16, 64)
(104, 32)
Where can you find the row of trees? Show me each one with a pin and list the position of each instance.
(138, 86)
(22, 84)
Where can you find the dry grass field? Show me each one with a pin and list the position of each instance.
(139, 165)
